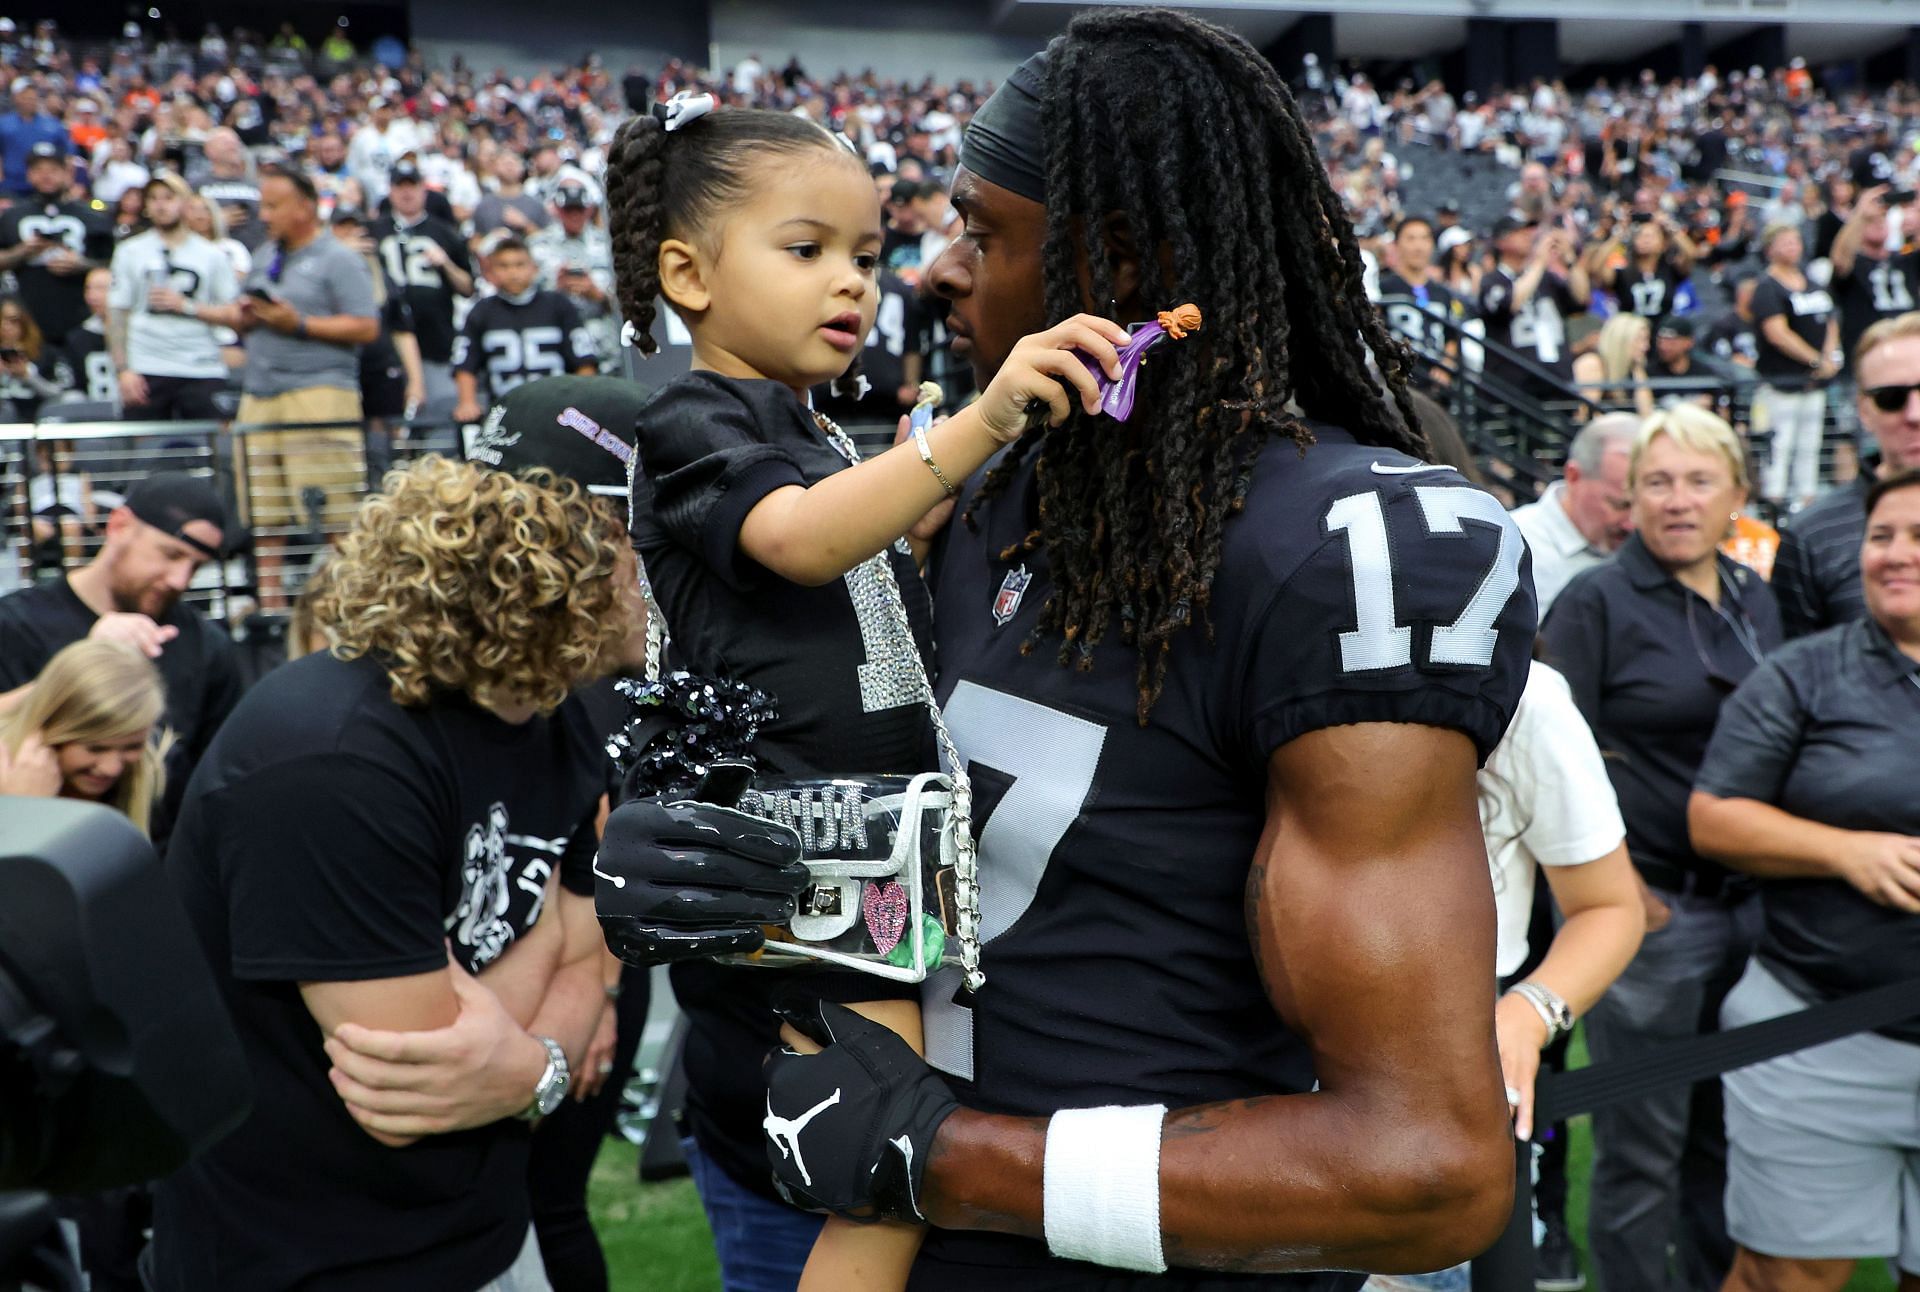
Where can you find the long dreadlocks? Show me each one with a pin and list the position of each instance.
(1182, 130)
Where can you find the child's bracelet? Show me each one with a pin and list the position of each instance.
(926, 456)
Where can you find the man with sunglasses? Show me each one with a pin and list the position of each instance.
(1816, 575)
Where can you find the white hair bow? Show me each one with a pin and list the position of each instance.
(629, 334)
(683, 108)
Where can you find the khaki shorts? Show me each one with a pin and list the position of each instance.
(277, 467)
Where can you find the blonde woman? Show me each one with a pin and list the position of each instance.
(94, 709)
(1651, 644)
(207, 220)
(1614, 373)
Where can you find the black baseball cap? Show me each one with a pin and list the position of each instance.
(1675, 325)
(580, 428)
(171, 500)
(46, 150)
(1511, 222)
(572, 197)
(404, 172)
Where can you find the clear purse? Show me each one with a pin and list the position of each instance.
(895, 891)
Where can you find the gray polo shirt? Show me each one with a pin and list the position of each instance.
(322, 279)
(1824, 730)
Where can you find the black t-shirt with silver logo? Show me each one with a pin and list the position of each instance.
(331, 835)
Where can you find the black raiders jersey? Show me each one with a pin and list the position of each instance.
(1419, 324)
(1538, 330)
(1875, 290)
(86, 366)
(507, 343)
(57, 301)
(1807, 313)
(430, 296)
(1358, 586)
(1650, 294)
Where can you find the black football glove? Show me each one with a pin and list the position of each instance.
(685, 880)
(849, 1129)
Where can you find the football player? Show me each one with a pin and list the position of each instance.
(1222, 675)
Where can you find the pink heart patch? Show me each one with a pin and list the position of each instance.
(884, 907)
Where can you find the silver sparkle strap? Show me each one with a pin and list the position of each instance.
(656, 622)
(966, 888)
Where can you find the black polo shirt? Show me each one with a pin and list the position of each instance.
(1816, 573)
(1824, 729)
(1650, 662)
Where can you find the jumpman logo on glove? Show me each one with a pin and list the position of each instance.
(788, 1129)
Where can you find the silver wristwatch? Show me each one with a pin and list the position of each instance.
(552, 1087)
(1553, 1011)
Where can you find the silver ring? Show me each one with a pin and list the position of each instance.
(1513, 1097)
(607, 1067)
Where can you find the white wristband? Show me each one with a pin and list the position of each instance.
(1102, 1186)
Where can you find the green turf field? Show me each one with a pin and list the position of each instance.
(656, 1237)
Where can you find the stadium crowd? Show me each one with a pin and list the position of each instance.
(1707, 285)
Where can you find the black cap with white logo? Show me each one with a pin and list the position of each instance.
(581, 428)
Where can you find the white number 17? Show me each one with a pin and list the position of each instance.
(1378, 641)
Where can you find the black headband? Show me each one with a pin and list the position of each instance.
(1006, 142)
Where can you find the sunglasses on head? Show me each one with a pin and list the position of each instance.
(1890, 399)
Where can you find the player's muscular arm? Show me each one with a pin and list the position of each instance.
(1372, 924)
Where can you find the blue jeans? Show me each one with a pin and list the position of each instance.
(762, 1245)
(1659, 1161)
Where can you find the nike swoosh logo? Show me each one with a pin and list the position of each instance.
(1382, 469)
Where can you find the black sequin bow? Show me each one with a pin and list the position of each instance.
(681, 725)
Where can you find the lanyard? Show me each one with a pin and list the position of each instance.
(1743, 633)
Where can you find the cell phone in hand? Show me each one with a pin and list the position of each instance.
(263, 294)
(1901, 197)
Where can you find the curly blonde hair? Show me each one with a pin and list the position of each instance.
(460, 578)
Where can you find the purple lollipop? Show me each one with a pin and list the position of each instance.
(1116, 397)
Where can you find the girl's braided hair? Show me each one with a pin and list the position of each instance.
(1182, 135)
(664, 185)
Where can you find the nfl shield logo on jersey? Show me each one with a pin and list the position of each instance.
(1012, 588)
